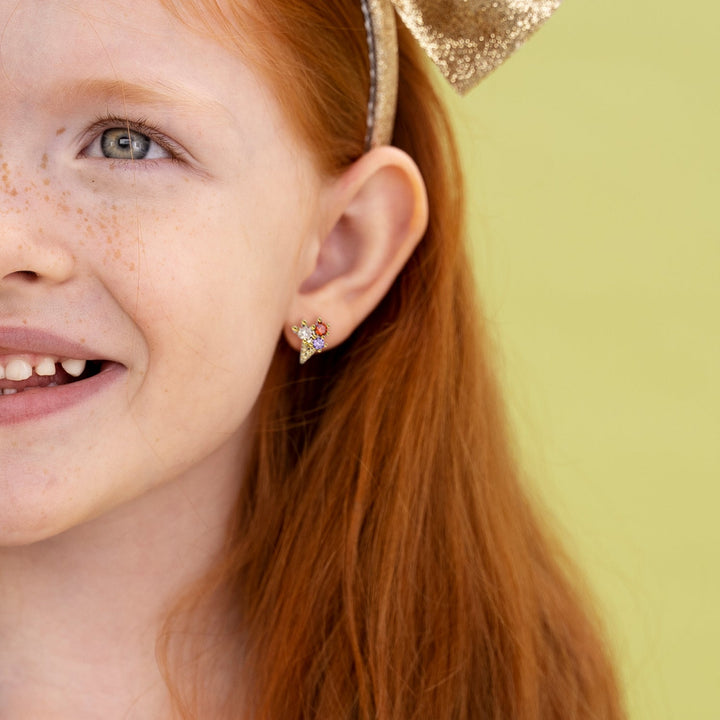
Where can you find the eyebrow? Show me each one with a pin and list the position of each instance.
(154, 93)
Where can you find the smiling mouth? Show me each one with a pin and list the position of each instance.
(19, 376)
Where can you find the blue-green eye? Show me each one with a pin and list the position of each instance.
(124, 143)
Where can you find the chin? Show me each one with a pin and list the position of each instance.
(38, 507)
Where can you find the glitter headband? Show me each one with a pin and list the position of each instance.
(466, 39)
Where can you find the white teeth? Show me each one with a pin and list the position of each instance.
(45, 367)
(73, 367)
(18, 369)
(9, 391)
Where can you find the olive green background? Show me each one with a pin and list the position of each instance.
(592, 161)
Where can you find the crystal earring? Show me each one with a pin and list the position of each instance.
(313, 338)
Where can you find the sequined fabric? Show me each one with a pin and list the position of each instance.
(466, 39)
(382, 43)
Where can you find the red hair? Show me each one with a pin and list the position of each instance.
(384, 561)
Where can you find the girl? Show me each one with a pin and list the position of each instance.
(192, 523)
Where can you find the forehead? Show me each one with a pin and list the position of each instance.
(47, 44)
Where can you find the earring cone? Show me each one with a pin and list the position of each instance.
(306, 352)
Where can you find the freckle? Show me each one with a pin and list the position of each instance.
(116, 255)
(13, 192)
(60, 131)
(47, 198)
(79, 211)
(25, 321)
(109, 241)
(46, 181)
(131, 267)
(43, 164)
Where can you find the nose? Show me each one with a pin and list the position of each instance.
(30, 253)
(32, 261)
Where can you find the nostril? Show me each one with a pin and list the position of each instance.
(24, 275)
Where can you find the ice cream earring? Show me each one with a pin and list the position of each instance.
(313, 337)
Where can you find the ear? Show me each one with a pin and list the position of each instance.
(377, 212)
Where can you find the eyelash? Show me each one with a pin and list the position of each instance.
(142, 126)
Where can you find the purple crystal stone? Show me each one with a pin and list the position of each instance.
(318, 343)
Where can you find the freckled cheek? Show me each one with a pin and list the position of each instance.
(91, 229)
(147, 254)
(116, 237)
(156, 257)
(111, 236)
(39, 199)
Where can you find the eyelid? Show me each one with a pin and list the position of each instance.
(106, 122)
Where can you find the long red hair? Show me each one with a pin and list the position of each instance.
(383, 560)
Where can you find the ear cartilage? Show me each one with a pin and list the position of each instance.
(313, 338)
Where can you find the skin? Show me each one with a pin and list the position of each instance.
(124, 239)
(184, 270)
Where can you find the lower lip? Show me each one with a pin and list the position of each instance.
(33, 404)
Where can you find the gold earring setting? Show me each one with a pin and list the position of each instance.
(313, 338)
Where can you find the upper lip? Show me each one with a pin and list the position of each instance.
(19, 340)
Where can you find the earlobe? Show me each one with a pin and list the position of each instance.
(378, 214)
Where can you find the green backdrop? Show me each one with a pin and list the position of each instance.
(592, 161)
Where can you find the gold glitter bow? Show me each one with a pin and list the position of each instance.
(466, 39)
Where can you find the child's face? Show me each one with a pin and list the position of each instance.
(178, 266)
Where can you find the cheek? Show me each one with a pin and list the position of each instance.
(43, 207)
(216, 276)
(230, 257)
(208, 297)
